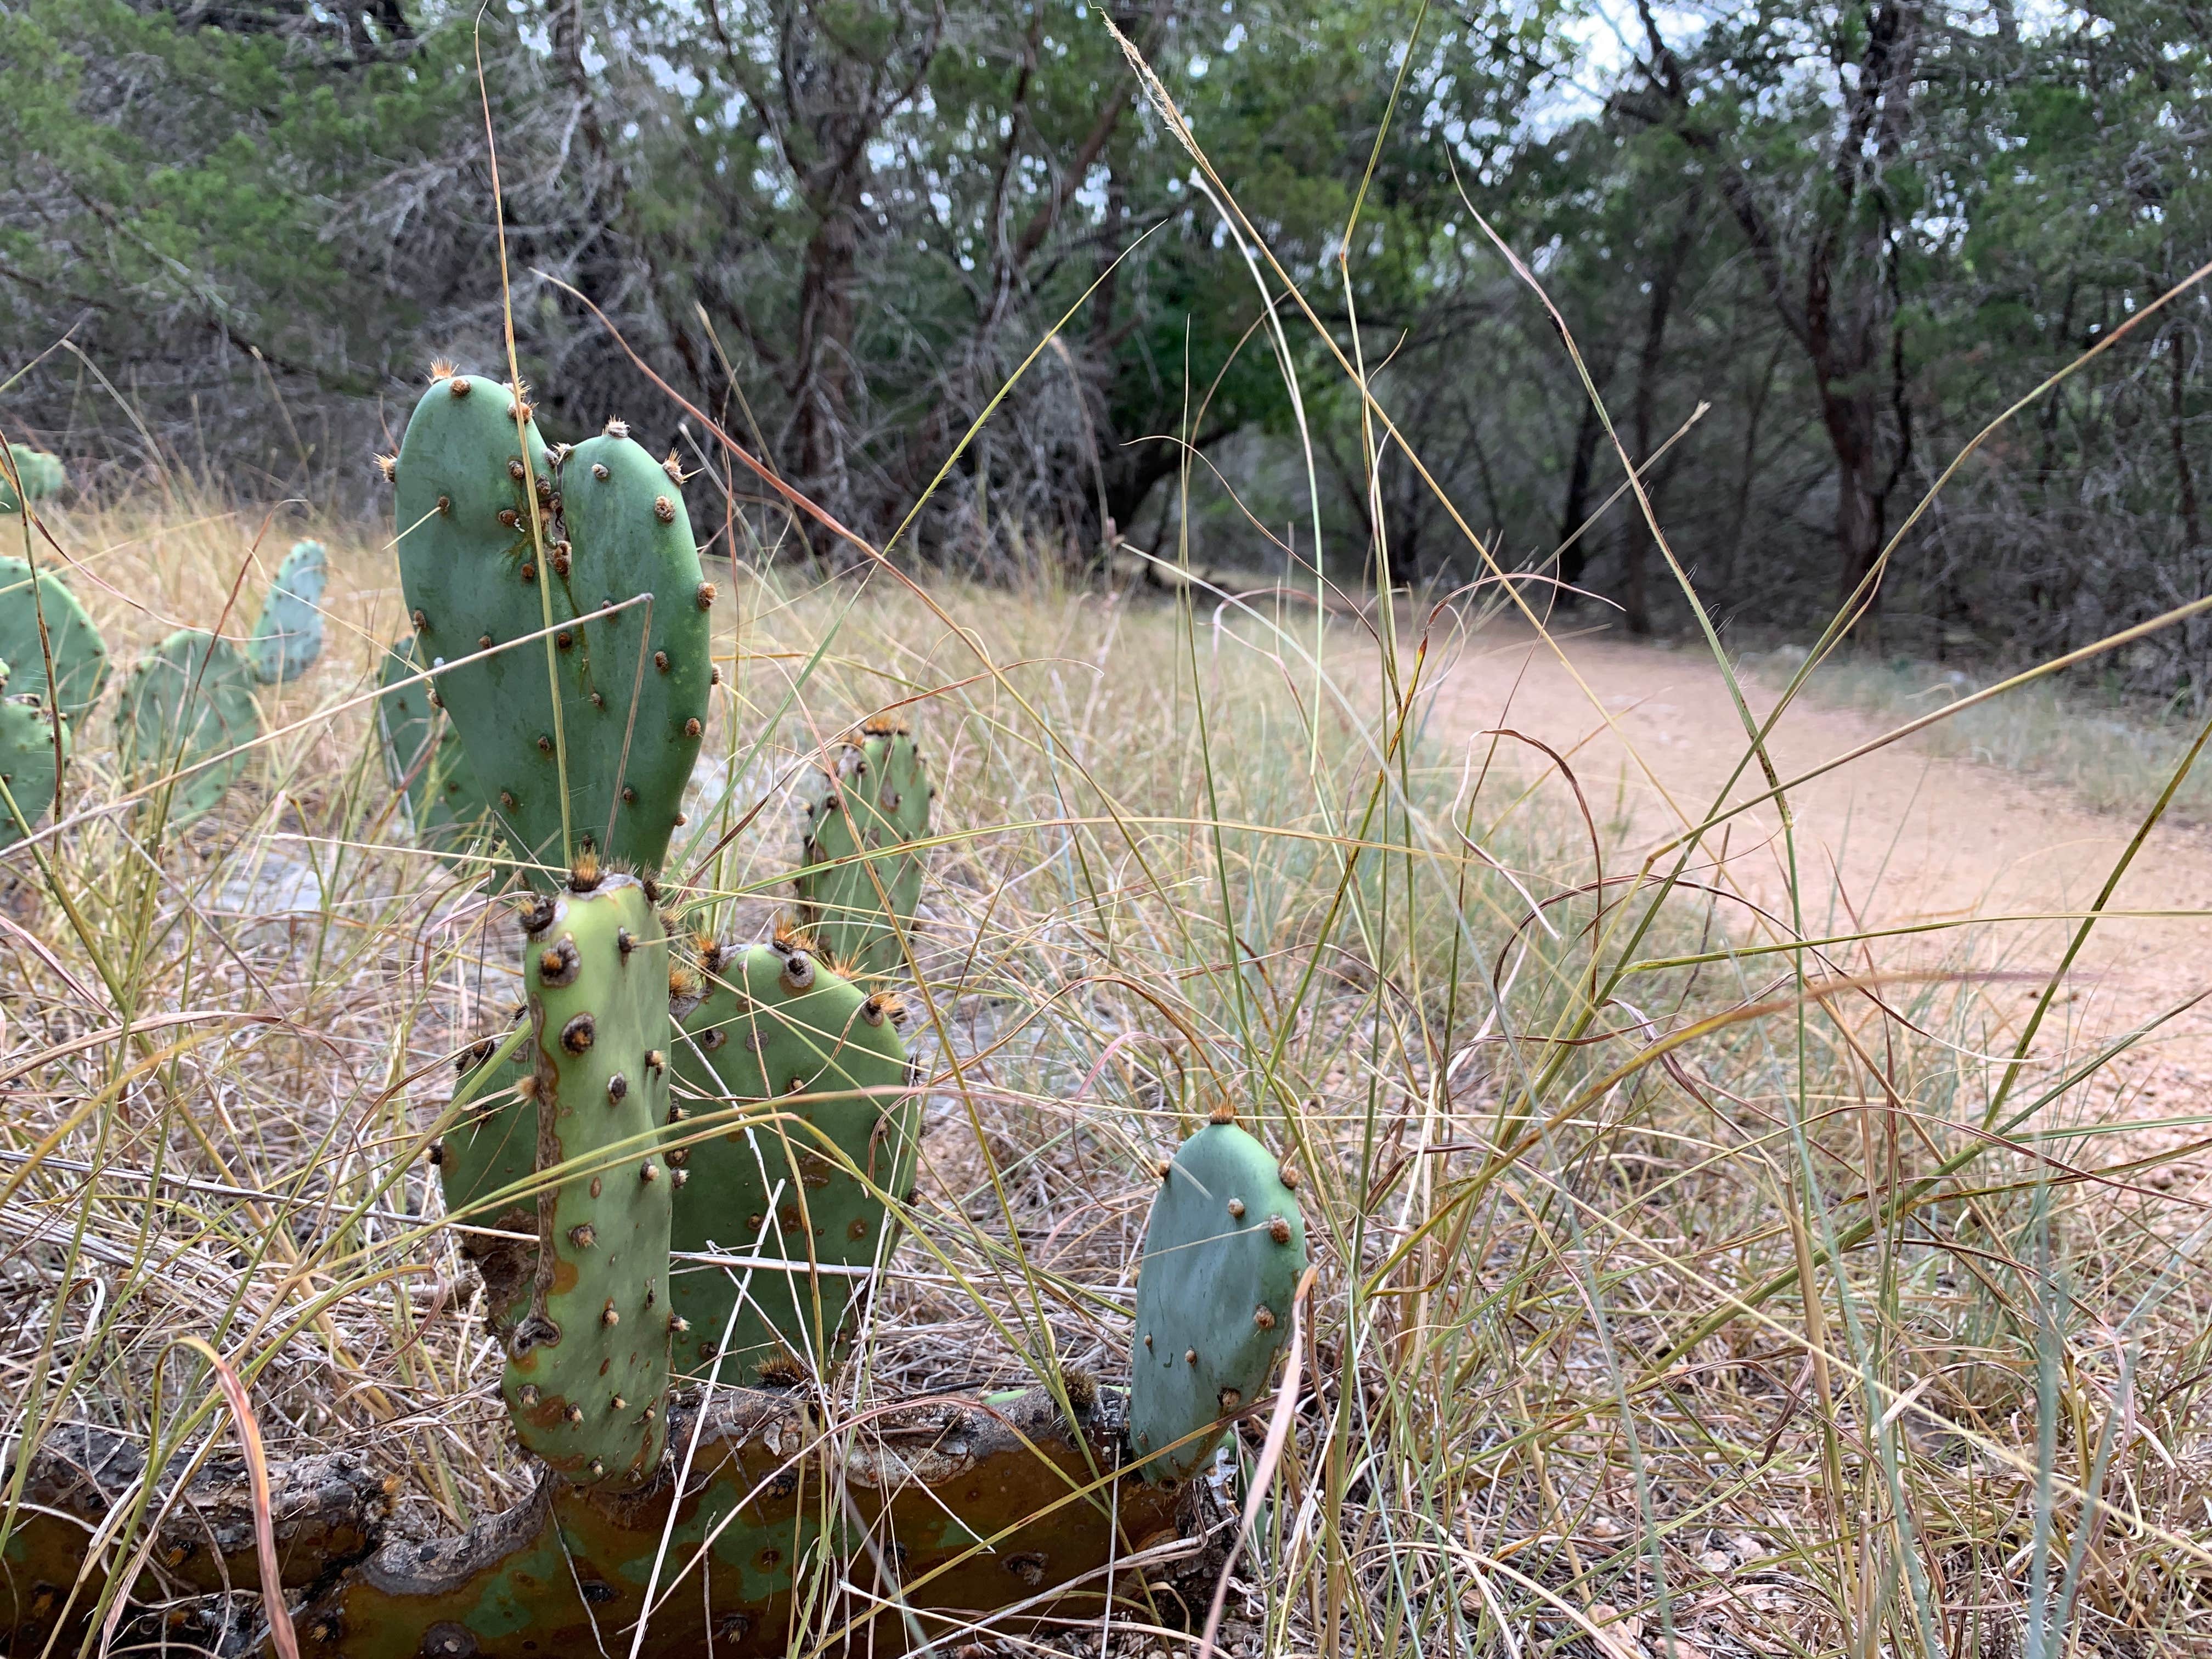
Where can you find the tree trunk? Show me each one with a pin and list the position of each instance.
(1862, 507)
(1635, 543)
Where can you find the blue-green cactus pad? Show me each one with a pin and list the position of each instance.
(288, 636)
(80, 654)
(1224, 1251)
(192, 699)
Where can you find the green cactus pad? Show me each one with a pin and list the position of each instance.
(821, 1063)
(491, 1148)
(191, 699)
(28, 730)
(423, 757)
(1224, 1251)
(875, 796)
(614, 527)
(587, 1365)
(41, 472)
(288, 636)
(80, 654)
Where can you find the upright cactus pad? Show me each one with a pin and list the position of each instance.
(587, 1365)
(1224, 1251)
(632, 702)
(874, 798)
(41, 472)
(80, 654)
(192, 699)
(423, 757)
(820, 1064)
(491, 1149)
(288, 636)
(28, 730)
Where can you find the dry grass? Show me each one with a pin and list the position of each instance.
(1166, 881)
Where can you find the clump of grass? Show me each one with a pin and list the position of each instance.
(1680, 1285)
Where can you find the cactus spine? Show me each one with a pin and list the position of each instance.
(586, 1379)
(833, 1131)
(1224, 1251)
(607, 525)
(288, 635)
(863, 877)
(80, 654)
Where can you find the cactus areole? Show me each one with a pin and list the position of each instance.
(528, 571)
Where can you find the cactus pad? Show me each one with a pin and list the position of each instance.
(41, 472)
(27, 732)
(288, 636)
(190, 700)
(822, 1062)
(613, 526)
(423, 757)
(80, 654)
(491, 1147)
(874, 797)
(1224, 1251)
(974, 1502)
(588, 1365)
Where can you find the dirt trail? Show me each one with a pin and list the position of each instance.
(1894, 837)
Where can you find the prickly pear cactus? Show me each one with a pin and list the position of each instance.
(587, 1376)
(28, 730)
(41, 472)
(191, 699)
(632, 702)
(80, 654)
(1224, 1251)
(423, 757)
(874, 796)
(821, 1062)
(491, 1150)
(288, 636)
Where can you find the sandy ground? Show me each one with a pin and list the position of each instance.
(1893, 837)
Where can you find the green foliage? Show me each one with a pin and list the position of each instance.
(80, 655)
(1224, 1251)
(29, 735)
(190, 700)
(873, 800)
(606, 526)
(588, 1365)
(833, 1130)
(288, 635)
(40, 470)
(424, 757)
